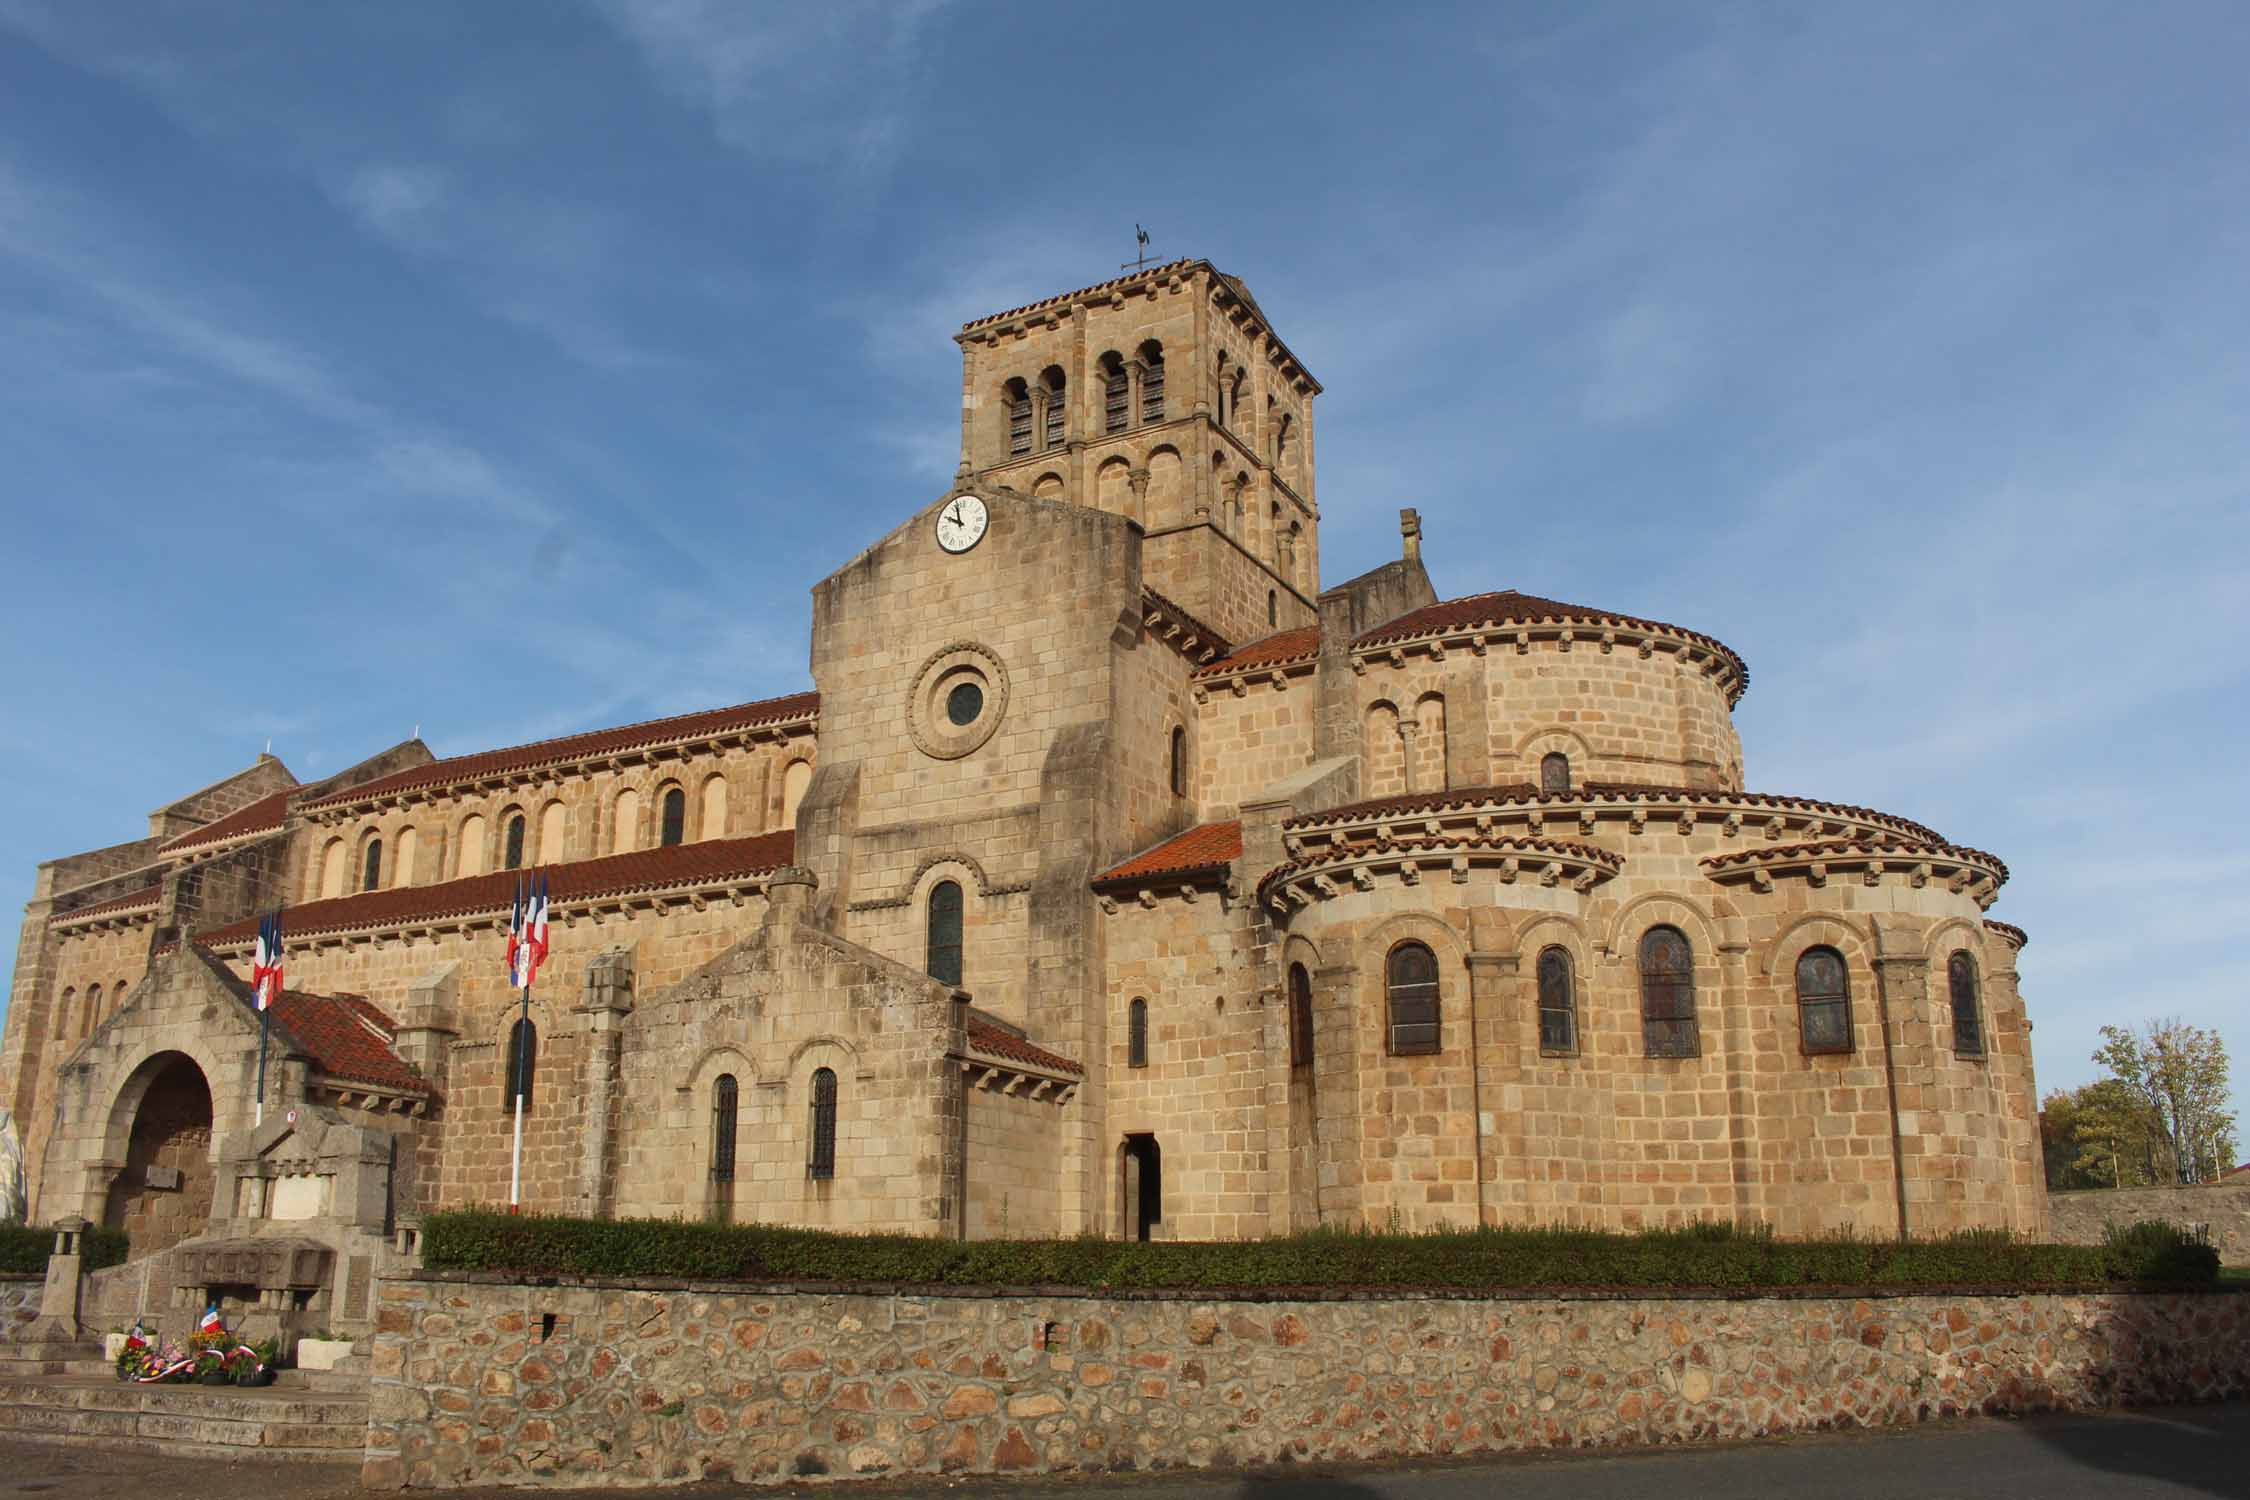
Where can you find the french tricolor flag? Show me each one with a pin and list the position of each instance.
(527, 933)
(265, 960)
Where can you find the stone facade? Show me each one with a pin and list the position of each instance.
(2219, 1209)
(1079, 896)
(489, 1383)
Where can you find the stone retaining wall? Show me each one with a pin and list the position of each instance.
(480, 1382)
(19, 1303)
(2078, 1218)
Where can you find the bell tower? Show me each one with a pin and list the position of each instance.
(1164, 396)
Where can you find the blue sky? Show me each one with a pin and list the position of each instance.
(507, 369)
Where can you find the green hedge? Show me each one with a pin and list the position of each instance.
(24, 1249)
(1710, 1256)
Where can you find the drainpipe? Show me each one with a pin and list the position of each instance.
(1890, 972)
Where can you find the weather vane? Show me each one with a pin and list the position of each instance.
(1140, 261)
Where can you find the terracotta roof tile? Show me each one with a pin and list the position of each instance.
(261, 816)
(1084, 291)
(1206, 846)
(1301, 644)
(986, 1037)
(2010, 931)
(1203, 633)
(579, 746)
(145, 896)
(348, 1037)
(1509, 607)
(615, 874)
(1605, 791)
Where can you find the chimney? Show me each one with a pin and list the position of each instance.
(1410, 528)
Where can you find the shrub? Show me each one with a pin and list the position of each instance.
(24, 1249)
(2153, 1250)
(1702, 1257)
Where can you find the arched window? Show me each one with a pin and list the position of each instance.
(625, 822)
(1824, 1001)
(1179, 762)
(822, 1160)
(469, 857)
(675, 817)
(371, 866)
(1284, 435)
(945, 932)
(1273, 607)
(1968, 1018)
(794, 782)
(1300, 1017)
(1554, 773)
(1117, 394)
(714, 806)
(1412, 982)
(1054, 424)
(1235, 395)
(1152, 381)
(1668, 994)
(724, 1096)
(402, 863)
(1136, 1033)
(1558, 1004)
(62, 1013)
(92, 1015)
(552, 822)
(1017, 398)
(511, 853)
(523, 1060)
(334, 862)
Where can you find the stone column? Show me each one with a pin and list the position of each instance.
(1901, 991)
(1495, 1064)
(607, 999)
(58, 1300)
(1341, 1180)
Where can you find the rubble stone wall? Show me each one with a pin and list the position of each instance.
(2080, 1218)
(478, 1382)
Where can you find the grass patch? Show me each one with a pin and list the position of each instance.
(1705, 1257)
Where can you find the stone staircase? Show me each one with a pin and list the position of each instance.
(67, 1392)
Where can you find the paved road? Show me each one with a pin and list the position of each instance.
(2181, 1452)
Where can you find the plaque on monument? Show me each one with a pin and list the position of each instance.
(163, 1177)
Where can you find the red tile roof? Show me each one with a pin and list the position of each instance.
(1207, 846)
(1204, 634)
(1606, 791)
(614, 875)
(1509, 607)
(261, 816)
(986, 1037)
(1084, 291)
(348, 1037)
(2011, 932)
(1301, 644)
(625, 737)
(145, 896)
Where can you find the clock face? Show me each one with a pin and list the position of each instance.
(961, 524)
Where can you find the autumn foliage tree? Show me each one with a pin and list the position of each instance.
(2169, 1100)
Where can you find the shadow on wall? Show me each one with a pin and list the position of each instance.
(2196, 1449)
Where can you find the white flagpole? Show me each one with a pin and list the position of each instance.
(515, 1163)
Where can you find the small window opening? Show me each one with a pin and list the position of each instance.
(822, 1161)
(675, 818)
(1554, 773)
(944, 947)
(1136, 1033)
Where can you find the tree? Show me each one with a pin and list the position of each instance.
(2176, 1077)
(2096, 1136)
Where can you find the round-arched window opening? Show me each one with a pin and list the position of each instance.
(964, 702)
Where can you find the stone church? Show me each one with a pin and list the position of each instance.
(1115, 875)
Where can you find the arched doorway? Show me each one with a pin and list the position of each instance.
(164, 1193)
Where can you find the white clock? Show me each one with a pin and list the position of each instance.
(961, 524)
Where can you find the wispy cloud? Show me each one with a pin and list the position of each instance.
(834, 83)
